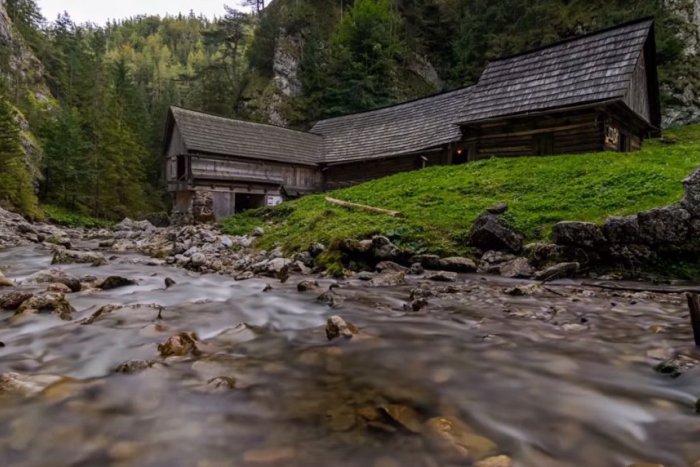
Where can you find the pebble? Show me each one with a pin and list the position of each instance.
(272, 456)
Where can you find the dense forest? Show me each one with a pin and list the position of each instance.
(82, 106)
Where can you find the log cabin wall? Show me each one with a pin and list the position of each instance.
(544, 135)
(345, 175)
(227, 171)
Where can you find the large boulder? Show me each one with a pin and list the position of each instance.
(581, 234)
(667, 225)
(457, 264)
(622, 230)
(691, 201)
(384, 250)
(63, 256)
(55, 276)
(491, 232)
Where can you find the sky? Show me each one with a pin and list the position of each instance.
(99, 11)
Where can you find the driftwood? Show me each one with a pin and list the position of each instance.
(694, 307)
(363, 207)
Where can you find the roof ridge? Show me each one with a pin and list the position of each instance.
(576, 38)
(239, 120)
(390, 106)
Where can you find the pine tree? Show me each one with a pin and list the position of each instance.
(16, 187)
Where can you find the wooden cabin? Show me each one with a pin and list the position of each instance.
(591, 93)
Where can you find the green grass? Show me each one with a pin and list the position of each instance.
(68, 218)
(440, 204)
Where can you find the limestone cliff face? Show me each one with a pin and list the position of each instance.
(684, 89)
(285, 84)
(23, 74)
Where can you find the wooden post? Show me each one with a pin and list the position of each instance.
(694, 307)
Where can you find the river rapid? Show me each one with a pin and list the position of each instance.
(561, 375)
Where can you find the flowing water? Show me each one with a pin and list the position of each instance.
(563, 377)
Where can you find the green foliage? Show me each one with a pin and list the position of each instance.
(71, 218)
(16, 187)
(364, 58)
(440, 204)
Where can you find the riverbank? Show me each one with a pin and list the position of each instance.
(440, 205)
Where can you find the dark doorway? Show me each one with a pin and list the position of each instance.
(181, 167)
(544, 144)
(246, 202)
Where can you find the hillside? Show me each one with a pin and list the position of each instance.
(441, 203)
(85, 105)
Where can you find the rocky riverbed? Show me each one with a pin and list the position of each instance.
(145, 346)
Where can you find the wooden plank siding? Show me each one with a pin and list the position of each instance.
(637, 97)
(345, 175)
(227, 171)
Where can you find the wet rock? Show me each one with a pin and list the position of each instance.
(491, 261)
(267, 288)
(58, 288)
(244, 276)
(416, 305)
(198, 260)
(307, 285)
(55, 303)
(26, 385)
(558, 271)
(622, 230)
(405, 416)
(442, 276)
(114, 282)
(59, 241)
(697, 410)
(542, 254)
(691, 200)
(258, 232)
(427, 261)
(667, 225)
(416, 269)
(496, 461)
(5, 282)
(338, 327)
(457, 264)
(523, 290)
(316, 250)
(13, 300)
(330, 298)
(104, 311)
(63, 256)
(456, 437)
(385, 266)
(388, 279)
(491, 232)
(675, 367)
(365, 276)
(56, 276)
(581, 234)
(135, 366)
(384, 250)
(277, 266)
(221, 384)
(519, 268)
(181, 345)
(169, 282)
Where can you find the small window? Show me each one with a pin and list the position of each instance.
(544, 144)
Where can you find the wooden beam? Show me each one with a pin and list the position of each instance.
(535, 131)
(694, 307)
(362, 207)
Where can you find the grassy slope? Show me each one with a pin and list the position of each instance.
(441, 203)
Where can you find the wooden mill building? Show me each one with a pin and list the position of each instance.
(597, 92)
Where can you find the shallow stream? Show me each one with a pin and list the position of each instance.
(561, 377)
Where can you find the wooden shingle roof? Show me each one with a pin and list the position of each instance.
(211, 134)
(593, 68)
(400, 129)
